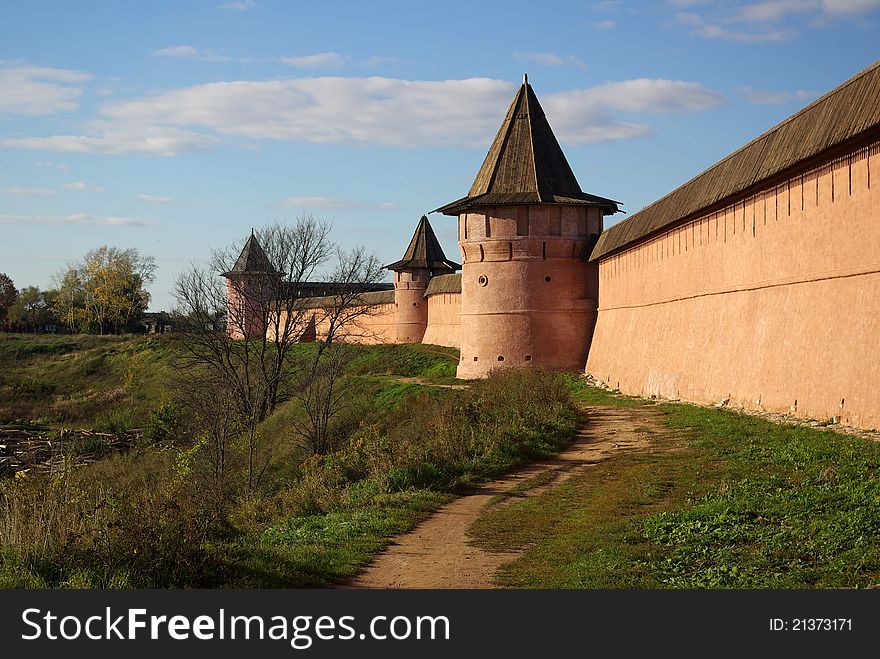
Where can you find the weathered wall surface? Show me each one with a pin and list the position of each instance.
(772, 302)
(444, 320)
(527, 297)
(372, 325)
(375, 325)
(412, 308)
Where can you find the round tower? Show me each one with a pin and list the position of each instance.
(526, 229)
(249, 285)
(424, 258)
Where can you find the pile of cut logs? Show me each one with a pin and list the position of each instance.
(24, 451)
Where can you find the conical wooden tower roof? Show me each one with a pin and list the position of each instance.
(425, 253)
(525, 165)
(252, 260)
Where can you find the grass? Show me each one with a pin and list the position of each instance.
(322, 550)
(719, 500)
(156, 517)
(109, 383)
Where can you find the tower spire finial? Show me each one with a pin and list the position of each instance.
(525, 78)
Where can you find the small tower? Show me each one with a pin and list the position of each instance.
(249, 285)
(525, 229)
(424, 259)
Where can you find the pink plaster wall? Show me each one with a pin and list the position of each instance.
(378, 326)
(772, 302)
(444, 320)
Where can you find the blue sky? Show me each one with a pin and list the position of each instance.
(174, 127)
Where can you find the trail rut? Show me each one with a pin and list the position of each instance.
(438, 553)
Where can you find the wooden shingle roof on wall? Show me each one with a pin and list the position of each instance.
(371, 298)
(839, 116)
(444, 284)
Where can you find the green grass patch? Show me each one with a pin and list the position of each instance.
(106, 382)
(160, 518)
(324, 549)
(520, 489)
(739, 503)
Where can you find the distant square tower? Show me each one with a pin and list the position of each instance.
(249, 284)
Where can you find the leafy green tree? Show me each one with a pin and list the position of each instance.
(105, 291)
(31, 308)
(8, 293)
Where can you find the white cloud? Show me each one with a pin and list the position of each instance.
(54, 165)
(316, 61)
(238, 5)
(605, 25)
(76, 218)
(768, 20)
(373, 110)
(190, 52)
(549, 59)
(114, 138)
(848, 7)
(773, 10)
(761, 97)
(81, 186)
(714, 31)
(588, 115)
(37, 90)
(379, 60)
(37, 192)
(153, 199)
(328, 202)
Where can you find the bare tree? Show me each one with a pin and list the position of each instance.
(246, 346)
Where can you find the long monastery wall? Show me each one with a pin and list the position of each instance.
(772, 302)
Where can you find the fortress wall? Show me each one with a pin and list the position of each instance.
(377, 325)
(772, 302)
(444, 320)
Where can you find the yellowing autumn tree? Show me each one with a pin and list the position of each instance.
(105, 291)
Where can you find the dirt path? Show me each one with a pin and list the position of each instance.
(438, 554)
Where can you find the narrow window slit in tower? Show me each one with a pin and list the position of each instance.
(528, 358)
(510, 251)
(543, 251)
(488, 226)
(482, 253)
